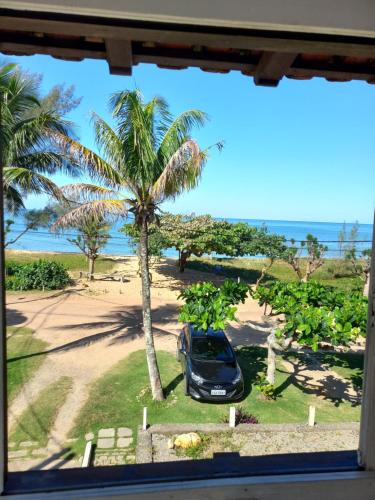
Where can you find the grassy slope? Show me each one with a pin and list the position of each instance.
(72, 261)
(117, 398)
(20, 342)
(249, 270)
(36, 421)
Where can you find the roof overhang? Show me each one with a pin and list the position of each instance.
(334, 40)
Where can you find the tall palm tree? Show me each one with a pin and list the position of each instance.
(147, 158)
(28, 150)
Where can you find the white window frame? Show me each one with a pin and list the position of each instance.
(358, 20)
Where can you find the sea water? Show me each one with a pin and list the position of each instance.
(118, 244)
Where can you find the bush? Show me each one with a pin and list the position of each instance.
(243, 417)
(38, 275)
(264, 387)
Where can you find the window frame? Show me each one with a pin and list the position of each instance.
(331, 474)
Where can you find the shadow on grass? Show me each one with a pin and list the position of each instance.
(173, 384)
(334, 389)
(228, 271)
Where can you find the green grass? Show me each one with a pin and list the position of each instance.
(72, 261)
(20, 368)
(117, 398)
(37, 420)
(249, 270)
(347, 364)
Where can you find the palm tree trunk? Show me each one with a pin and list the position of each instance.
(153, 369)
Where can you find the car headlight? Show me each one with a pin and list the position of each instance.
(237, 378)
(197, 378)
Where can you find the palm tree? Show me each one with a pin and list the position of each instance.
(146, 159)
(28, 151)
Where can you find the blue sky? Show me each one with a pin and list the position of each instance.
(302, 151)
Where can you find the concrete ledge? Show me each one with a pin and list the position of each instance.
(143, 453)
(219, 428)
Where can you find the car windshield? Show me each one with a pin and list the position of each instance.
(211, 349)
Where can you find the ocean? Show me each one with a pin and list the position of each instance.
(118, 244)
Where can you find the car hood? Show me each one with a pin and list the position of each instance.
(215, 371)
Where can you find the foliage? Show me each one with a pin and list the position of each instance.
(242, 417)
(315, 252)
(29, 153)
(207, 306)
(315, 313)
(39, 275)
(264, 387)
(156, 240)
(33, 219)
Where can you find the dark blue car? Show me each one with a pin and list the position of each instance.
(209, 365)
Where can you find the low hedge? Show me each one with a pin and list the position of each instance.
(38, 275)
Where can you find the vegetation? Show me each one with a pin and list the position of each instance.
(209, 307)
(71, 261)
(314, 314)
(37, 420)
(314, 260)
(151, 158)
(33, 219)
(29, 153)
(20, 365)
(242, 417)
(121, 393)
(38, 275)
(91, 238)
(249, 270)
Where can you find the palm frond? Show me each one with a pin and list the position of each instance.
(28, 181)
(80, 192)
(182, 172)
(97, 168)
(93, 210)
(13, 201)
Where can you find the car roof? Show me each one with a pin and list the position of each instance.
(194, 333)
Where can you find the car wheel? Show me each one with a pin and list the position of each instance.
(186, 389)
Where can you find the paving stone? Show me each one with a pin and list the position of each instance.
(17, 454)
(124, 442)
(90, 436)
(124, 432)
(106, 433)
(106, 442)
(28, 444)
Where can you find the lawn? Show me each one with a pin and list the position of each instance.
(72, 261)
(20, 368)
(249, 270)
(117, 398)
(37, 420)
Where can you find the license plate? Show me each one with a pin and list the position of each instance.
(218, 392)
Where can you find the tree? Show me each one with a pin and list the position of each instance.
(29, 153)
(271, 246)
(190, 235)
(313, 313)
(156, 240)
(146, 159)
(342, 238)
(34, 219)
(210, 307)
(91, 238)
(314, 260)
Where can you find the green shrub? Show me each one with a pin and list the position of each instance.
(315, 313)
(38, 275)
(264, 387)
(208, 306)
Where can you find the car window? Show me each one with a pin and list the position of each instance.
(211, 349)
